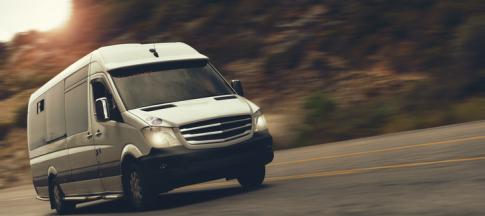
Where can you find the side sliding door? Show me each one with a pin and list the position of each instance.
(84, 178)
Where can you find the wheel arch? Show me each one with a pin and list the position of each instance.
(51, 175)
(51, 172)
(130, 151)
(129, 155)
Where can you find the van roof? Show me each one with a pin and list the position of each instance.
(125, 55)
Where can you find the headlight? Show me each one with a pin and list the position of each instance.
(160, 137)
(260, 122)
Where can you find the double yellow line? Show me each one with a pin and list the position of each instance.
(343, 172)
(369, 169)
(361, 170)
(400, 148)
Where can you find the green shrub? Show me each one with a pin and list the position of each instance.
(470, 110)
(326, 121)
(319, 107)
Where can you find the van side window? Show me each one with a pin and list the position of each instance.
(40, 106)
(77, 109)
(99, 91)
(37, 123)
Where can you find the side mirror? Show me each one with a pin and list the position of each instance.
(102, 111)
(237, 86)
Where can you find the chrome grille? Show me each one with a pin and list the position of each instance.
(217, 130)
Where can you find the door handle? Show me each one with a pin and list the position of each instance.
(98, 133)
(89, 135)
(98, 152)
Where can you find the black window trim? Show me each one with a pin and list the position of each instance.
(40, 106)
(103, 81)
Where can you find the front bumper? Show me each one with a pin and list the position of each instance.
(178, 166)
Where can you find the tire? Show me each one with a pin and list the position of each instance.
(138, 191)
(252, 177)
(56, 197)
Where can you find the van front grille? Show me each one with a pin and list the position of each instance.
(217, 130)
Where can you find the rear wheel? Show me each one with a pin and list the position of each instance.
(138, 190)
(252, 177)
(57, 200)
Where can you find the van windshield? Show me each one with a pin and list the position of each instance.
(148, 85)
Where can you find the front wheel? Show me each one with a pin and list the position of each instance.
(58, 202)
(138, 190)
(252, 177)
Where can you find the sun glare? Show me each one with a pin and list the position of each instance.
(24, 15)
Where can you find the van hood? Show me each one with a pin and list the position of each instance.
(183, 112)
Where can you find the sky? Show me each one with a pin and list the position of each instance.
(25, 15)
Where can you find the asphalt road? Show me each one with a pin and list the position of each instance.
(439, 171)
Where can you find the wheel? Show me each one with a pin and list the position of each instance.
(57, 200)
(138, 190)
(252, 177)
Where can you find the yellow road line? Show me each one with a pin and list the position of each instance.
(346, 155)
(346, 172)
(368, 169)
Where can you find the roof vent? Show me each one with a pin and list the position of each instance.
(154, 52)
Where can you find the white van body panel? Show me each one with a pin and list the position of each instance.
(186, 112)
(128, 55)
(131, 150)
(73, 153)
(125, 55)
(86, 160)
(189, 111)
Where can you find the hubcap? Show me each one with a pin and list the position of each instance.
(57, 196)
(135, 186)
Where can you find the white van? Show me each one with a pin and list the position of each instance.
(134, 120)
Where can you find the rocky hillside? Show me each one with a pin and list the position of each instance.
(322, 70)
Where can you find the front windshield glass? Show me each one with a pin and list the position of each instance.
(169, 82)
